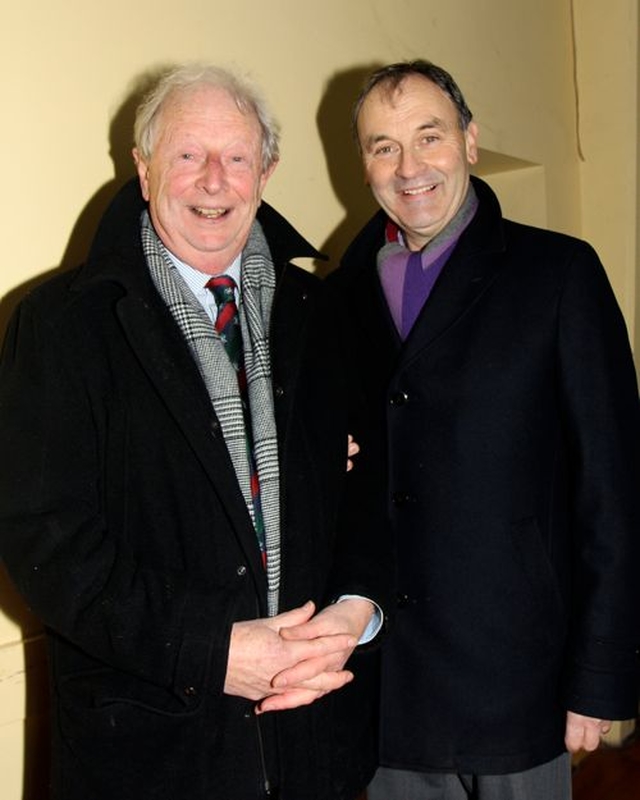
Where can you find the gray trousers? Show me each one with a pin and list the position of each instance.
(550, 781)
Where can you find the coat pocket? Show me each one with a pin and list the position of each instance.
(101, 688)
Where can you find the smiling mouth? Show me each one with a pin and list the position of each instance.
(209, 213)
(419, 190)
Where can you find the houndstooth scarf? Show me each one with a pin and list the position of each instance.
(219, 376)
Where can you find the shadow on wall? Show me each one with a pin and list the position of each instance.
(343, 160)
(36, 722)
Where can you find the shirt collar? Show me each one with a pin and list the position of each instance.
(196, 280)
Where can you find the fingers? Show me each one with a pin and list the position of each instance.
(310, 670)
(297, 616)
(313, 629)
(258, 654)
(346, 616)
(283, 702)
(302, 650)
(305, 694)
(329, 635)
(353, 448)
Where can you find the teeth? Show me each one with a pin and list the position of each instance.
(420, 190)
(210, 213)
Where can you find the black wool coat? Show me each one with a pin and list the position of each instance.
(123, 525)
(510, 433)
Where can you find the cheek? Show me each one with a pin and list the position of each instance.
(370, 173)
(380, 176)
(175, 184)
(249, 188)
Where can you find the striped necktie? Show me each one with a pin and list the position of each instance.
(227, 324)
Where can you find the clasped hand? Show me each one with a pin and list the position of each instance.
(294, 658)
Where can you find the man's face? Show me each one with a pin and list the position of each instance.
(416, 157)
(204, 179)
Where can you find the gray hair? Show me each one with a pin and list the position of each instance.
(189, 77)
(391, 77)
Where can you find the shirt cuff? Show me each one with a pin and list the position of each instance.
(375, 623)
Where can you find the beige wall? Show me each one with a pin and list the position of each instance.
(607, 61)
(69, 67)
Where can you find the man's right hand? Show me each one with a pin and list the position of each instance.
(257, 653)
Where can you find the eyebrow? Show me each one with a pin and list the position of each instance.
(433, 123)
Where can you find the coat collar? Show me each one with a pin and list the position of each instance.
(484, 234)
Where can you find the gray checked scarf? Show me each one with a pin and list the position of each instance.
(257, 289)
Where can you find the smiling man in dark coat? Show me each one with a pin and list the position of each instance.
(169, 503)
(500, 380)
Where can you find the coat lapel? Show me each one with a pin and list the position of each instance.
(167, 362)
(461, 284)
(117, 257)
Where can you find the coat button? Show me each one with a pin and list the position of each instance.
(214, 427)
(241, 571)
(398, 398)
(190, 691)
(278, 391)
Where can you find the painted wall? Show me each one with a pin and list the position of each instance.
(608, 72)
(71, 69)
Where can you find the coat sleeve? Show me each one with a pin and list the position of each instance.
(600, 402)
(82, 579)
(363, 562)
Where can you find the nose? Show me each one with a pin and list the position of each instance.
(409, 164)
(211, 177)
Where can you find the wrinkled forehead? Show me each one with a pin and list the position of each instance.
(214, 106)
(212, 100)
(396, 99)
(418, 88)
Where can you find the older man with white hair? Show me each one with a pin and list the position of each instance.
(175, 416)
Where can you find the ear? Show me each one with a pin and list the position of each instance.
(268, 172)
(143, 172)
(471, 138)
